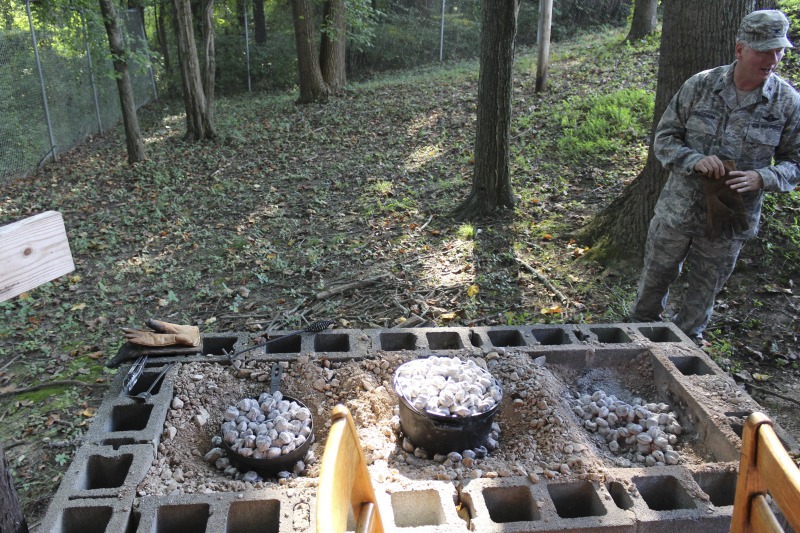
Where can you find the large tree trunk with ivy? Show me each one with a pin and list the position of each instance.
(199, 124)
(332, 56)
(259, 22)
(312, 85)
(11, 517)
(696, 36)
(643, 23)
(133, 135)
(491, 180)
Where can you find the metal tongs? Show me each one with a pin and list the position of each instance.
(134, 372)
(314, 327)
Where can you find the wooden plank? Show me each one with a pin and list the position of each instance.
(780, 474)
(33, 251)
(761, 517)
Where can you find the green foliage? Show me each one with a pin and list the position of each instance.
(600, 125)
(466, 232)
(781, 219)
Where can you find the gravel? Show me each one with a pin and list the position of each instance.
(542, 435)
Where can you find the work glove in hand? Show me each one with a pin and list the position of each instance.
(164, 334)
(726, 215)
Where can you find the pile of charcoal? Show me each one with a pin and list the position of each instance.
(643, 432)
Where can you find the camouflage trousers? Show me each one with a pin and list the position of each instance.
(709, 263)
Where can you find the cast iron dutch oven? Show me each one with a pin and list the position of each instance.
(283, 463)
(444, 434)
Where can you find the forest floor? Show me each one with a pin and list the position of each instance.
(247, 233)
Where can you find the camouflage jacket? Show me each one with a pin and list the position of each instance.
(761, 133)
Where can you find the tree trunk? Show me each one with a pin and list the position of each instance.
(491, 181)
(8, 16)
(11, 517)
(210, 70)
(133, 136)
(259, 22)
(161, 35)
(332, 49)
(241, 11)
(645, 14)
(696, 36)
(198, 124)
(312, 85)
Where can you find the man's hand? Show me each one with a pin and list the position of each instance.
(744, 180)
(710, 166)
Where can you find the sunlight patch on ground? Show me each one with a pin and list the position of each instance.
(451, 265)
(422, 156)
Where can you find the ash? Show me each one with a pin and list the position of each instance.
(539, 434)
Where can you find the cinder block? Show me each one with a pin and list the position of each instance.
(263, 511)
(660, 332)
(91, 515)
(667, 499)
(680, 374)
(516, 505)
(106, 472)
(553, 335)
(122, 420)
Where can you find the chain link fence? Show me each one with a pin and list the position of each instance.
(403, 34)
(57, 83)
(56, 75)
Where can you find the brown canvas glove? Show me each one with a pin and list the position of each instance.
(164, 334)
(726, 214)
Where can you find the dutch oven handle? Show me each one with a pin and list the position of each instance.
(455, 426)
(275, 373)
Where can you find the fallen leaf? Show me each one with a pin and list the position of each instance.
(472, 290)
(448, 316)
(88, 412)
(78, 307)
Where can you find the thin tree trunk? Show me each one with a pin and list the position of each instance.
(312, 85)
(11, 517)
(491, 182)
(696, 36)
(198, 125)
(645, 17)
(259, 22)
(210, 70)
(133, 136)
(161, 35)
(332, 49)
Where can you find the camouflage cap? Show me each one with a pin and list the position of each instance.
(765, 30)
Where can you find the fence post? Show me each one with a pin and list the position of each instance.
(441, 38)
(91, 74)
(247, 49)
(41, 82)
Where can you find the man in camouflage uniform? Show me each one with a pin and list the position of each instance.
(742, 112)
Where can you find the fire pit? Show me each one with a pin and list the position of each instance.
(142, 467)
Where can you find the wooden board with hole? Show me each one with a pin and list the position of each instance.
(33, 251)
